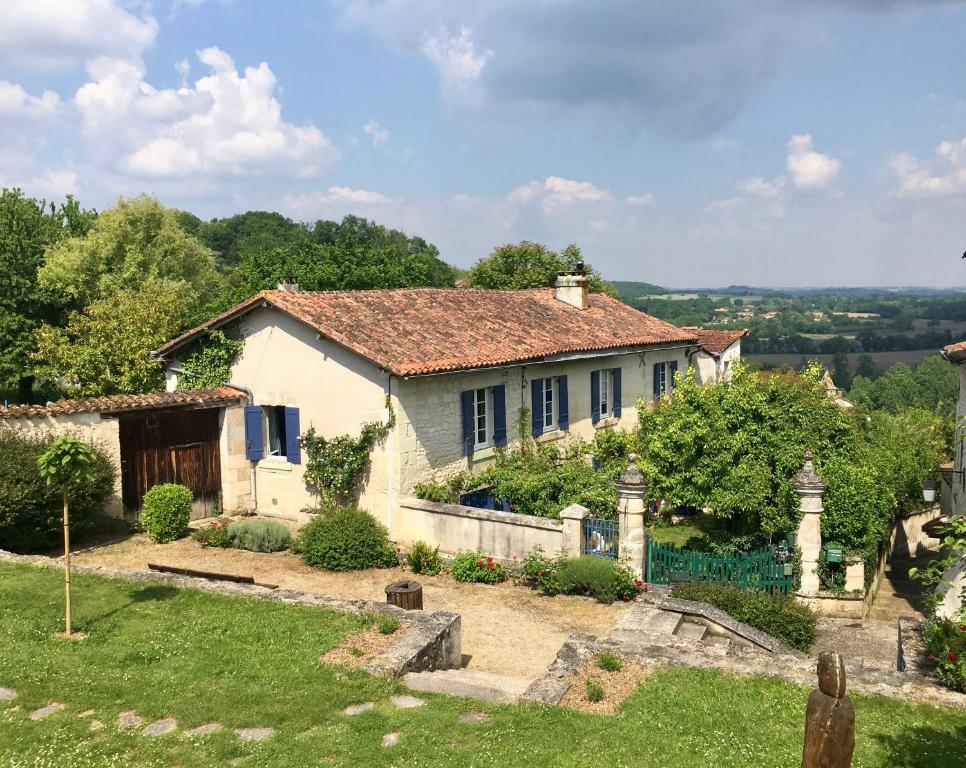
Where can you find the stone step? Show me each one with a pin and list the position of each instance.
(690, 630)
(659, 623)
(470, 684)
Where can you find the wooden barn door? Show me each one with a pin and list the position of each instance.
(172, 447)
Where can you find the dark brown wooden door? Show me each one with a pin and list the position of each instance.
(172, 447)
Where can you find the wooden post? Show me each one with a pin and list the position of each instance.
(67, 564)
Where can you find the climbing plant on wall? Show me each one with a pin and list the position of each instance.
(336, 465)
(209, 361)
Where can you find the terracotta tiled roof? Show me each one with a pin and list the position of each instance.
(413, 331)
(715, 342)
(116, 403)
(955, 353)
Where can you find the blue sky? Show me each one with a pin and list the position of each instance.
(695, 143)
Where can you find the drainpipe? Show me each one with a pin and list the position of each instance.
(389, 461)
(251, 401)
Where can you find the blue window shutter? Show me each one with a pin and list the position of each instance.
(595, 396)
(563, 404)
(499, 415)
(254, 433)
(293, 451)
(616, 393)
(536, 403)
(672, 369)
(657, 380)
(469, 441)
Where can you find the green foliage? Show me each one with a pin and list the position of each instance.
(734, 447)
(67, 461)
(260, 535)
(529, 265)
(783, 618)
(597, 577)
(345, 539)
(423, 558)
(336, 465)
(476, 567)
(593, 690)
(608, 662)
(954, 546)
(946, 641)
(208, 361)
(538, 482)
(831, 576)
(932, 385)
(105, 349)
(387, 624)
(166, 511)
(541, 571)
(214, 535)
(31, 508)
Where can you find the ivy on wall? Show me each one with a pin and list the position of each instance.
(336, 465)
(209, 361)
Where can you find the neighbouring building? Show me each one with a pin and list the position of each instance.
(716, 352)
(954, 580)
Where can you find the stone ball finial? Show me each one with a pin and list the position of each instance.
(632, 475)
(807, 477)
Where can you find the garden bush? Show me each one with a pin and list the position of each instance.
(345, 539)
(260, 535)
(166, 512)
(593, 690)
(790, 622)
(476, 567)
(387, 624)
(214, 535)
(609, 662)
(541, 571)
(31, 512)
(946, 641)
(597, 577)
(423, 558)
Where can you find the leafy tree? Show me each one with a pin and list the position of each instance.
(932, 385)
(865, 366)
(105, 349)
(137, 241)
(529, 265)
(233, 238)
(27, 227)
(840, 370)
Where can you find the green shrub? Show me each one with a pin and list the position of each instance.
(594, 690)
(215, 535)
(166, 512)
(541, 571)
(387, 624)
(783, 618)
(31, 512)
(345, 539)
(260, 535)
(423, 558)
(475, 567)
(609, 662)
(433, 491)
(946, 641)
(597, 577)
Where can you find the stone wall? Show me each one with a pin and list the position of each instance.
(87, 427)
(453, 527)
(908, 538)
(236, 469)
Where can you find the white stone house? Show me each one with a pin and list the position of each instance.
(954, 580)
(716, 352)
(459, 368)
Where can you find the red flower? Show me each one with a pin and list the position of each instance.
(539, 573)
(492, 566)
(639, 583)
(479, 563)
(626, 597)
(931, 657)
(489, 559)
(963, 627)
(953, 656)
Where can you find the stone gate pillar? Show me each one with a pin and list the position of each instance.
(631, 489)
(573, 528)
(810, 488)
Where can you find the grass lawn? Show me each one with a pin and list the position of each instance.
(242, 662)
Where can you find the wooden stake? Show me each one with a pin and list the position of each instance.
(67, 563)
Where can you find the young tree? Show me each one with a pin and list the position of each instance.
(529, 265)
(67, 462)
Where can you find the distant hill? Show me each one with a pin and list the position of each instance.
(628, 289)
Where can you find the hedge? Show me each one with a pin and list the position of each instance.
(783, 618)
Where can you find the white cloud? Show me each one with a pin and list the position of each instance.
(17, 104)
(762, 188)
(228, 124)
(946, 178)
(376, 132)
(183, 68)
(455, 57)
(60, 34)
(55, 184)
(556, 191)
(334, 202)
(643, 200)
(810, 170)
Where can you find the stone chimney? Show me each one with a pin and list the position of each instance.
(288, 284)
(572, 288)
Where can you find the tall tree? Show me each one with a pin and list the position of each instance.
(529, 265)
(27, 227)
(233, 238)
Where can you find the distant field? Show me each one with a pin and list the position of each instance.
(882, 360)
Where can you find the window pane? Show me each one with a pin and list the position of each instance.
(548, 402)
(480, 416)
(604, 394)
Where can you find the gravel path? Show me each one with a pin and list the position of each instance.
(507, 629)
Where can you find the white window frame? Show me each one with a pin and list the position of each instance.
(550, 418)
(664, 369)
(272, 414)
(606, 400)
(481, 422)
